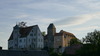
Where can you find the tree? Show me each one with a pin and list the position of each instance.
(75, 41)
(93, 38)
(43, 33)
(91, 45)
(22, 24)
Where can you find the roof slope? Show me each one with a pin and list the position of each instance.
(25, 31)
(64, 33)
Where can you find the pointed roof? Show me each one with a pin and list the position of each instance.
(51, 26)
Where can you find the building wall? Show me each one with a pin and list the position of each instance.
(34, 40)
(40, 40)
(62, 41)
(58, 42)
(16, 35)
(22, 43)
(10, 44)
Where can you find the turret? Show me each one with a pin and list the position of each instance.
(51, 29)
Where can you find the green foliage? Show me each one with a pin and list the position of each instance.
(91, 48)
(43, 33)
(93, 38)
(75, 41)
(52, 53)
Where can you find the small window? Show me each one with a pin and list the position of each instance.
(34, 39)
(24, 40)
(32, 30)
(39, 34)
(15, 44)
(35, 34)
(29, 40)
(31, 34)
(20, 40)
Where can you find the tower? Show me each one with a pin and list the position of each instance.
(51, 30)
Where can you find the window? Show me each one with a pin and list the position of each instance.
(39, 34)
(35, 34)
(29, 40)
(39, 40)
(24, 40)
(20, 40)
(32, 30)
(65, 36)
(34, 39)
(15, 44)
(30, 46)
(31, 34)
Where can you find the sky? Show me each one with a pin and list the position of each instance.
(75, 16)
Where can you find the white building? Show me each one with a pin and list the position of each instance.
(26, 38)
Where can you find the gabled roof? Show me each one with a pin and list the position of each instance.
(23, 31)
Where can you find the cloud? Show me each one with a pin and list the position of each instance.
(89, 4)
(87, 28)
(77, 20)
(49, 6)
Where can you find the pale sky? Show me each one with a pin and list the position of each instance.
(76, 16)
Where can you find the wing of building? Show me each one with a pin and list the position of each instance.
(57, 40)
(26, 38)
(62, 39)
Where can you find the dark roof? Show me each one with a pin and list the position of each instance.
(22, 53)
(23, 31)
(51, 26)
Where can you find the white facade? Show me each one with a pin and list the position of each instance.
(27, 38)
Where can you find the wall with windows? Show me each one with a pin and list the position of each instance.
(10, 44)
(22, 43)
